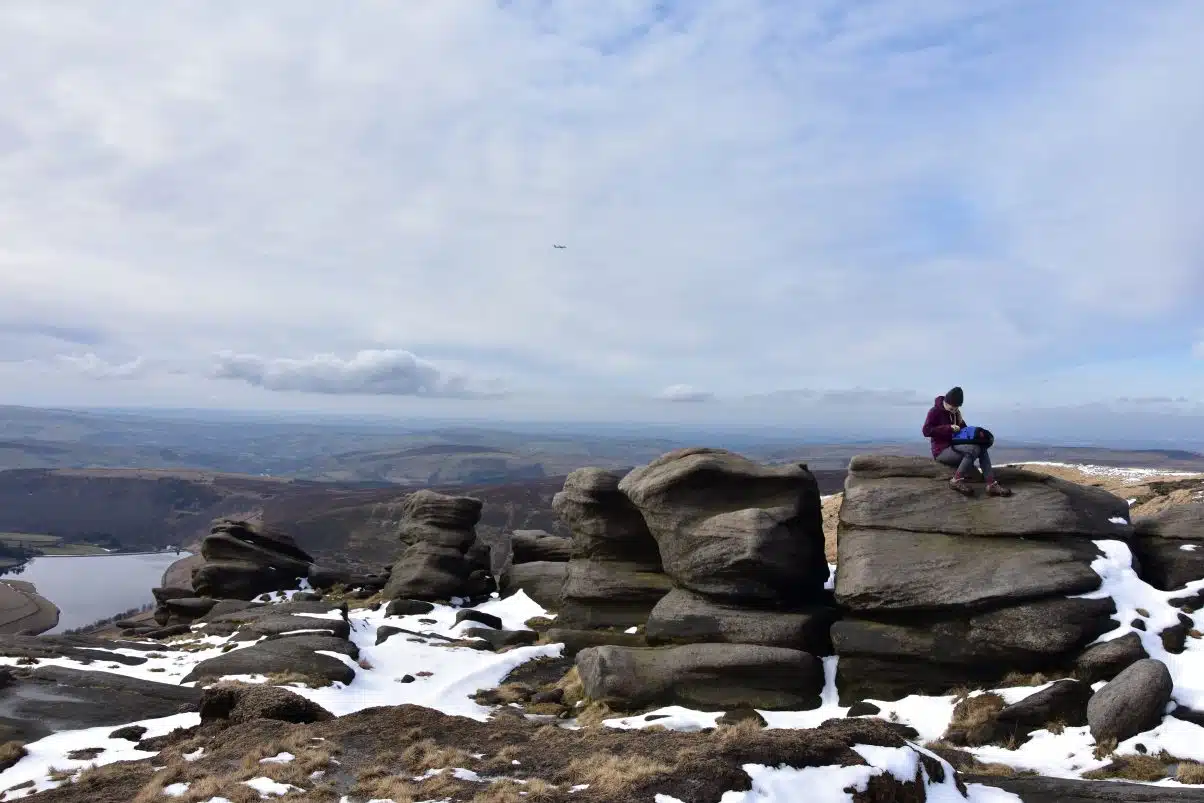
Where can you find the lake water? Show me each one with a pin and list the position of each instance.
(91, 587)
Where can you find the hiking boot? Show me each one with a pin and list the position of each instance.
(995, 489)
(961, 486)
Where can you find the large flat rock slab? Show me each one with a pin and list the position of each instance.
(903, 493)
(45, 700)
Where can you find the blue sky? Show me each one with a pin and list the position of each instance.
(766, 204)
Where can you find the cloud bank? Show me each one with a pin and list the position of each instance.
(367, 373)
(685, 393)
(755, 195)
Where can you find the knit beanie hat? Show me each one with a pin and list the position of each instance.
(955, 397)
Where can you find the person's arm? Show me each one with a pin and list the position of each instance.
(934, 427)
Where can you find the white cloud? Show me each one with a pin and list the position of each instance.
(685, 393)
(753, 193)
(93, 367)
(367, 373)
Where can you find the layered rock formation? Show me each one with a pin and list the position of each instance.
(942, 590)
(243, 560)
(743, 544)
(436, 566)
(1169, 547)
(534, 561)
(614, 578)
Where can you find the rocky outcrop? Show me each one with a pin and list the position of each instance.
(1169, 546)
(941, 590)
(440, 530)
(743, 545)
(615, 577)
(542, 581)
(243, 560)
(533, 561)
(706, 676)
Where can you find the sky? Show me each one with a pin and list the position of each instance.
(770, 209)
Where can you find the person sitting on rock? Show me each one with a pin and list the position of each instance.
(943, 422)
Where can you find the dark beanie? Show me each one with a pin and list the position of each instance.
(955, 397)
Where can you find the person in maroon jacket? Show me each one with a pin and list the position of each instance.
(943, 422)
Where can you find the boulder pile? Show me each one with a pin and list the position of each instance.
(244, 560)
(747, 613)
(614, 577)
(940, 591)
(441, 531)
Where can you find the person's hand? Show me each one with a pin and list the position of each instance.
(956, 429)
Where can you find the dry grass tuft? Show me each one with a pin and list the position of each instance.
(11, 753)
(387, 787)
(594, 714)
(743, 731)
(1017, 679)
(1131, 768)
(1104, 749)
(1190, 772)
(429, 755)
(534, 790)
(608, 774)
(540, 623)
(974, 716)
(573, 688)
(287, 678)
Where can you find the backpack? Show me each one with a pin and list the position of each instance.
(974, 436)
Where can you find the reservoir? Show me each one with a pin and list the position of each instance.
(90, 587)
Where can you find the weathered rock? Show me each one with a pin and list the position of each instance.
(270, 541)
(428, 572)
(440, 531)
(1108, 659)
(78, 648)
(542, 581)
(224, 547)
(1064, 702)
(190, 607)
(730, 528)
(892, 570)
(532, 546)
(502, 639)
(326, 579)
(1174, 638)
(685, 618)
(441, 510)
(702, 675)
(604, 523)
(50, 699)
(226, 606)
(879, 660)
(293, 655)
(1169, 546)
(575, 641)
(912, 494)
(480, 617)
(408, 607)
(162, 595)
(133, 733)
(610, 593)
(241, 580)
(239, 702)
(282, 625)
(1133, 702)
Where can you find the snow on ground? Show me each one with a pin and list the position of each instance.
(51, 752)
(1129, 476)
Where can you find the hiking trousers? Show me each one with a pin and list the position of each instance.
(963, 456)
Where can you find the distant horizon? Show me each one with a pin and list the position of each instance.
(766, 432)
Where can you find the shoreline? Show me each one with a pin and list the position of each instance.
(24, 611)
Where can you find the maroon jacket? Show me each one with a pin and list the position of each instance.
(938, 426)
